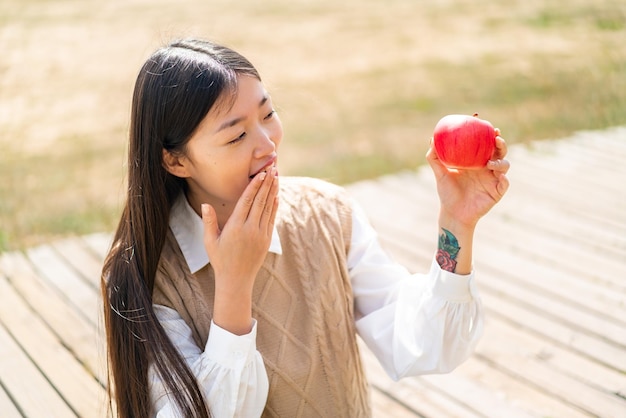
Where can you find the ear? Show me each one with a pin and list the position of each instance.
(175, 164)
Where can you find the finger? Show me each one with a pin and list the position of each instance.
(503, 185)
(246, 201)
(433, 160)
(501, 166)
(267, 214)
(501, 149)
(211, 228)
(261, 198)
(272, 218)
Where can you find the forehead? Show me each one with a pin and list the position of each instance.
(235, 105)
(247, 94)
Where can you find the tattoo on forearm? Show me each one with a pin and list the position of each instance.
(447, 251)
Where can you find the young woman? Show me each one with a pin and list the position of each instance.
(231, 293)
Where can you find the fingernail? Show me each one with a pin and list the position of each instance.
(262, 175)
(205, 209)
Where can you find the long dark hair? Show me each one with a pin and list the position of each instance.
(175, 89)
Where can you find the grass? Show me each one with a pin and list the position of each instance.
(359, 86)
(546, 100)
(53, 195)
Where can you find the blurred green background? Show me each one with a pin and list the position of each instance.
(359, 86)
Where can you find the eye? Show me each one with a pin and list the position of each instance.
(270, 115)
(238, 139)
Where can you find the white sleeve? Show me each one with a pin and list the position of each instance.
(230, 371)
(414, 324)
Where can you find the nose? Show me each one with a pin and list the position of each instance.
(264, 146)
(267, 143)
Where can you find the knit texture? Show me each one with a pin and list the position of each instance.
(302, 301)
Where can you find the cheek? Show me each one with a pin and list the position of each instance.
(224, 187)
(277, 132)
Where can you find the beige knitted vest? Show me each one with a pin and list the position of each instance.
(302, 302)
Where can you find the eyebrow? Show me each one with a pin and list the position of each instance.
(233, 122)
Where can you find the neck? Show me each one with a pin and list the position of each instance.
(222, 210)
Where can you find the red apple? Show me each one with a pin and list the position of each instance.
(463, 141)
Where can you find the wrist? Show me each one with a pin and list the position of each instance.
(232, 309)
(460, 226)
(454, 249)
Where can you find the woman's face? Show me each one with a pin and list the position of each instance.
(230, 146)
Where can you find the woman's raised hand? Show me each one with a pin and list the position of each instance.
(238, 250)
(467, 195)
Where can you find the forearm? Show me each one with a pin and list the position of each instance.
(454, 249)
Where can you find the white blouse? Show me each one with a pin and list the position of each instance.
(414, 324)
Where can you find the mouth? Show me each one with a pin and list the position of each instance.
(267, 167)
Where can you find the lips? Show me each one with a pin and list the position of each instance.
(266, 167)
